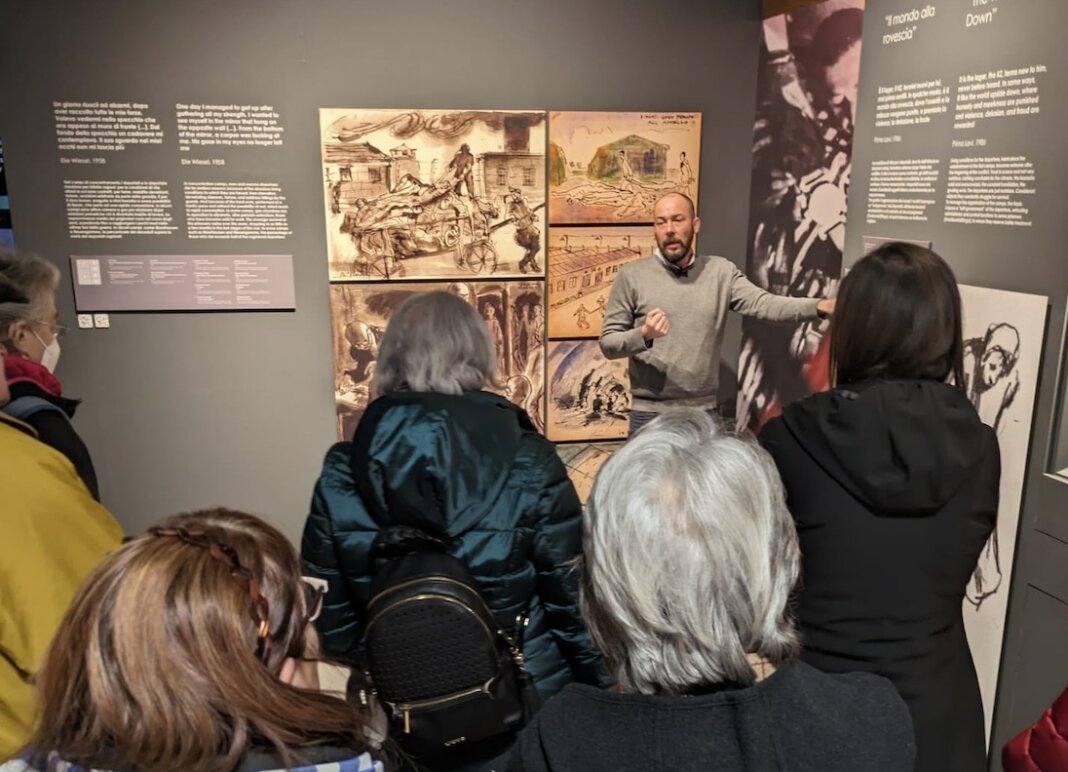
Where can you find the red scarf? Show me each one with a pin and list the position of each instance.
(20, 369)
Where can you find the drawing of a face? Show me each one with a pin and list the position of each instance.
(993, 366)
(674, 226)
(360, 336)
(461, 291)
(843, 77)
(999, 355)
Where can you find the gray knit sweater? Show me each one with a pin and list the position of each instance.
(682, 368)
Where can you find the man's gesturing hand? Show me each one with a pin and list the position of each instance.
(656, 325)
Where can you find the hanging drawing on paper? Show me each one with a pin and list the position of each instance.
(612, 167)
(583, 461)
(1003, 336)
(433, 194)
(589, 396)
(582, 264)
(513, 315)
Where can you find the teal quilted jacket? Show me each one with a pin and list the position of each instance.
(469, 468)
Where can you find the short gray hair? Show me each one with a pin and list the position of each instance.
(26, 279)
(435, 341)
(690, 558)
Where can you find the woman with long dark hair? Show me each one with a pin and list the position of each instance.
(893, 484)
(184, 650)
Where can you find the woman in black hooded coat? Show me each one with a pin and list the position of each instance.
(892, 480)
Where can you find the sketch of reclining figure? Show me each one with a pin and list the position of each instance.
(992, 382)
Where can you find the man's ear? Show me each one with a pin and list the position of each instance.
(696, 225)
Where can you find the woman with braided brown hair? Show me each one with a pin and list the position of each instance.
(183, 650)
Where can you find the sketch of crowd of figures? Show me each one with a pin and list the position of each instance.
(433, 194)
(583, 262)
(1003, 337)
(612, 167)
(589, 396)
(513, 312)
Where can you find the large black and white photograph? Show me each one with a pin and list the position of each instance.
(802, 158)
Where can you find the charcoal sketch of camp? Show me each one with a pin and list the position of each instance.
(612, 167)
(513, 314)
(1003, 337)
(583, 461)
(582, 265)
(589, 396)
(433, 194)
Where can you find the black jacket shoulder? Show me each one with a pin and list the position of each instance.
(57, 432)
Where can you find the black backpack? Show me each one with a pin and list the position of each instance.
(444, 670)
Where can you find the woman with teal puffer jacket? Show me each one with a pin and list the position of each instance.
(464, 465)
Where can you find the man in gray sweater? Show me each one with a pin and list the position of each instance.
(666, 313)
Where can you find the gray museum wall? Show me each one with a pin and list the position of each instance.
(191, 410)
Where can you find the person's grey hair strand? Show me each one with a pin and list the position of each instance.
(690, 558)
(28, 277)
(435, 341)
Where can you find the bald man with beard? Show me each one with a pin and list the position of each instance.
(666, 314)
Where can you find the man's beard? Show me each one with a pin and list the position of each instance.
(686, 245)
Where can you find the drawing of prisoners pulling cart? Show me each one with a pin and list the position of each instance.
(419, 220)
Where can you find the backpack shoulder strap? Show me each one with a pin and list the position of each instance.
(23, 408)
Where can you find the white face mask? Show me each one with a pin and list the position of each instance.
(50, 355)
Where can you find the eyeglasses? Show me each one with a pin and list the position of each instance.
(314, 595)
(58, 330)
(259, 608)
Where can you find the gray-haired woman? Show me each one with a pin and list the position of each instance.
(29, 343)
(690, 556)
(436, 452)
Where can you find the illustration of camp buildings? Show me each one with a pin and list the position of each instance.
(364, 171)
(573, 274)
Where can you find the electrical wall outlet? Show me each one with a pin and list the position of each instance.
(102, 321)
(85, 321)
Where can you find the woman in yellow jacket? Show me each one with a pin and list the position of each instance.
(54, 533)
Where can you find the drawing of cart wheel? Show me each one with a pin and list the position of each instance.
(481, 256)
(386, 267)
(377, 258)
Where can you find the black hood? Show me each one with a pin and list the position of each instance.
(900, 447)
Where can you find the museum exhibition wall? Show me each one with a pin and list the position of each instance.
(239, 194)
(232, 189)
